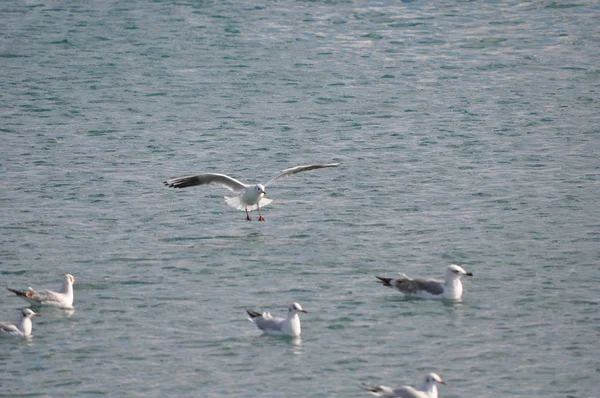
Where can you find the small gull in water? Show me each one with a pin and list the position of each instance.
(23, 326)
(61, 299)
(427, 390)
(450, 288)
(247, 197)
(269, 324)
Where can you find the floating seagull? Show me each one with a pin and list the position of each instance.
(62, 299)
(450, 288)
(269, 324)
(247, 197)
(427, 390)
(22, 328)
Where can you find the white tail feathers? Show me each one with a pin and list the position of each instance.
(236, 203)
(264, 201)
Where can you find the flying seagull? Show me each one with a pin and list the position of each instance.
(427, 390)
(450, 288)
(23, 326)
(269, 324)
(62, 299)
(246, 197)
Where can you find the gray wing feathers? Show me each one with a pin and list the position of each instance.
(52, 296)
(406, 392)
(429, 285)
(298, 169)
(268, 323)
(413, 286)
(8, 328)
(207, 179)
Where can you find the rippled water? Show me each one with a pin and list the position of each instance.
(467, 132)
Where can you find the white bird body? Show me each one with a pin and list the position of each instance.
(427, 390)
(246, 197)
(22, 328)
(450, 288)
(253, 198)
(61, 299)
(288, 326)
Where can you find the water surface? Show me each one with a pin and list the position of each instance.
(467, 132)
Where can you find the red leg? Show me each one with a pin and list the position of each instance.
(260, 217)
(248, 215)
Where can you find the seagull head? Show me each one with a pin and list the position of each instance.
(456, 271)
(295, 307)
(260, 190)
(27, 313)
(433, 378)
(70, 279)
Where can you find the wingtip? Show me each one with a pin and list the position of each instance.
(17, 292)
(253, 314)
(384, 281)
(371, 388)
(170, 184)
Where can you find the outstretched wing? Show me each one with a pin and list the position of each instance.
(298, 169)
(207, 179)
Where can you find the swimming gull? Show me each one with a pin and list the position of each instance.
(427, 390)
(61, 299)
(450, 288)
(247, 197)
(23, 326)
(269, 324)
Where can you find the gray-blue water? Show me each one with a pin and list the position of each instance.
(467, 132)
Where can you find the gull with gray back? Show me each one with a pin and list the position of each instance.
(289, 326)
(427, 390)
(450, 288)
